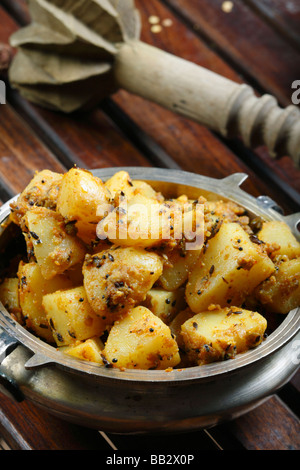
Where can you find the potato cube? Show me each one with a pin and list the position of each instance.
(229, 270)
(71, 317)
(120, 182)
(281, 292)
(134, 222)
(32, 287)
(140, 340)
(9, 296)
(217, 211)
(141, 187)
(88, 350)
(79, 198)
(280, 238)
(165, 304)
(147, 222)
(116, 280)
(41, 191)
(55, 250)
(176, 270)
(221, 334)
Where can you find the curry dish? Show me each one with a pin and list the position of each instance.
(117, 274)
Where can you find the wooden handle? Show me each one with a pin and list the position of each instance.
(222, 105)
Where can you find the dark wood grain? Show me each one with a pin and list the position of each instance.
(274, 425)
(35, 429)
(22, 153)
(90, 140)
(283, 16)
(17, 9)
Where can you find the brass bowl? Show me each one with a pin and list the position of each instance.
(138, 401)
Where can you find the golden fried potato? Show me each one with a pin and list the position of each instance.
(88, 350)
(71, 317)
(116, 280)
(178, 267)
(46, 235)
(229, 270)
(165, 304)
(32, 287)
(280, 239)
(221, 334)
(9, 296)
(280, 293)
(81, 196)
(42, 191)
(140, 340)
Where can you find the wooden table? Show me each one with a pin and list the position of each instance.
(256, 41)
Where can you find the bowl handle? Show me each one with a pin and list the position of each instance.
(8, 385)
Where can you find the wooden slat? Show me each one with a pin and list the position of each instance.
(35, 429)
(90, 140)
(17, 9)
(284, 16)
(3, 444)
(271, 426)
(22, 153)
